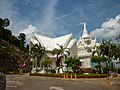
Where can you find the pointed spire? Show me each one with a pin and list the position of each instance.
(85, 29)
(85, 32)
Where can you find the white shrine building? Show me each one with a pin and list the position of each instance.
(67, 41)
(86, 46)
(80, 49)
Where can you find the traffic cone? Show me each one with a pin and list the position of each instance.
(66, 75)
(71, 76)
(75, 76)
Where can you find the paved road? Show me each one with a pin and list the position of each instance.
(25, 82)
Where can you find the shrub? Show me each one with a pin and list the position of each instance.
(51, 71)
(78, 75)
(88, 70)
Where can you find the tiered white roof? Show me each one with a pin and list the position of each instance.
(86, 36)
(50, 43)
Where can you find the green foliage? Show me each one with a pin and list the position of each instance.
(21, 38)
(105, 52)
(38, 52)
(118, 38)
(74, 63)
(116, 51)
(60, 54)
(12, 50)
(14, 40)
(78, 75)
(9, 59)
(4, 22)
(47, 63)
(98, 59)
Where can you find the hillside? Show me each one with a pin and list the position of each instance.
(10, 56)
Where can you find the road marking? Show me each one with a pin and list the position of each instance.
(56, 88)
(11, 86)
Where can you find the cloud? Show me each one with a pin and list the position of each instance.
(63, 16)
(29, 31)
(10, 11)
(48, 24)
(109, 29)
(7, 9)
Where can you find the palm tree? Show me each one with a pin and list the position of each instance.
(107, 50)
(61, 54)
(98, 58)
(117, 48)
(37, 53)
(118, 38)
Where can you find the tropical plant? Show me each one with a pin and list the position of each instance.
(61, 53)
(37, 52)
(118, 38)
(73, 63)
(117, 48)
(107, 50)
(97, 57)
(46, 63)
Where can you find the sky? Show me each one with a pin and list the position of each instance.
(54, 18)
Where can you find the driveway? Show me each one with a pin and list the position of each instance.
(26, 82)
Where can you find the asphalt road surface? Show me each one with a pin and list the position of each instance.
(26, 82)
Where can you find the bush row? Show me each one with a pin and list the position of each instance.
(73, 75)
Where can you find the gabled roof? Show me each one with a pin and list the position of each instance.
(80, 41)
(62, 40)
(34, 41)
(71, 43)
(51, 43)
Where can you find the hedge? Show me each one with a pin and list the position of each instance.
(73, 75)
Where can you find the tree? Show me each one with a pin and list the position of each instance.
(37, 52)
(74, 63)
(61, 54)
(117, 48)
(97, 57)
(46, 63)
(14, 40)
(107, 50)
(4, 33)
(22, 40)
(10, 57)
(118, 38)
(4, 22)
(10, 54)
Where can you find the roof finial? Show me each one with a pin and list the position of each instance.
(85, 32)
(85, 29)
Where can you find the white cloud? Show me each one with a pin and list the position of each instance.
(109, 29)
(47, 24)
(63, 16)
(29, 31)
(7, 9)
